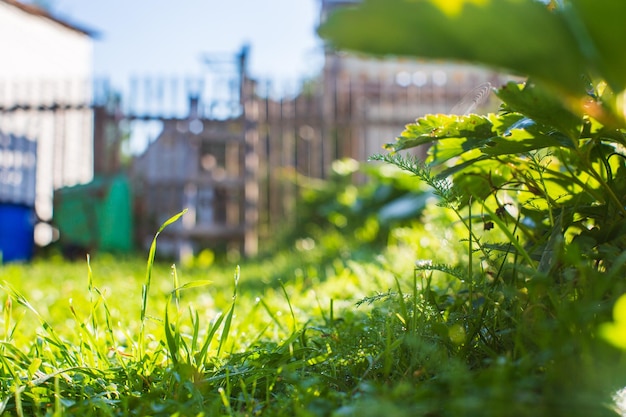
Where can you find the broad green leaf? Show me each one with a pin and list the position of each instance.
(434, 127)
(446, 149)
(600, 30)
(459, 166)
(481, 177)
(520, 141)
(518, 36)
(452, 136)
(541, 106)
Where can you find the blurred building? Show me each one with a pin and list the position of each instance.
(206, 174)
(241, 177)
(389, 93)
(45, 96)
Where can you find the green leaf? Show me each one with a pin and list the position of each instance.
(474, 135)
(192, 284)
(540, 105)
(520, 141)
(521, 37)
(599, 27)
(447, 149)
(229, 314)
(145, 288)
(460, 166)
(615, 332)
(171, 338)
(434, 127)
(171, 220)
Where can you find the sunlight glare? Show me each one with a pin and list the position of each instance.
(453, 8)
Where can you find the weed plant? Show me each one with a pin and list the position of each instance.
(537, 190)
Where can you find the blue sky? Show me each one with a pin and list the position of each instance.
(167, 37)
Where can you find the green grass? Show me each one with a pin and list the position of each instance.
(114, 337)
(300, 334)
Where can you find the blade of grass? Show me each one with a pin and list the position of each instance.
(195, 322)
(52, 337)
(171, 337)
(201, 356)
(92, 302)
(402, 304)
(293, 316)
(271, 314)
(146, 286)
(176, 289)
(229, 315)
(8, 319)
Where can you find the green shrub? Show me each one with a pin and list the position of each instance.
(538, 188)
(361, 213)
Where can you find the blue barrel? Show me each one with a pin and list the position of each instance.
(16, 232)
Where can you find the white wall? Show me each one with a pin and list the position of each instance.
(34, 47)
(44, 62)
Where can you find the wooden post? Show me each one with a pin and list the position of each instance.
(99, 140)
(251, 175)
(250, 110)
(106, 140)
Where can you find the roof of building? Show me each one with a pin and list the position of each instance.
(38, 11)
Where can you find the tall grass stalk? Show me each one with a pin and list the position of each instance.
(293, 316)
(229, 314)
(146, 286)
(173, 337)
(470, 257)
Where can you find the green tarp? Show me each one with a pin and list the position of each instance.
(97, 215)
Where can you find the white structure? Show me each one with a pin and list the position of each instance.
(45, 95)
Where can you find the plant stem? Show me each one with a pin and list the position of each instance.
(470, 271)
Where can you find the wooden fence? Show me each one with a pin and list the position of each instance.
(240, 174)
(236, 157)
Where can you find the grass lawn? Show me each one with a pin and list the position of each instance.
(81, 339)
(295, 334)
